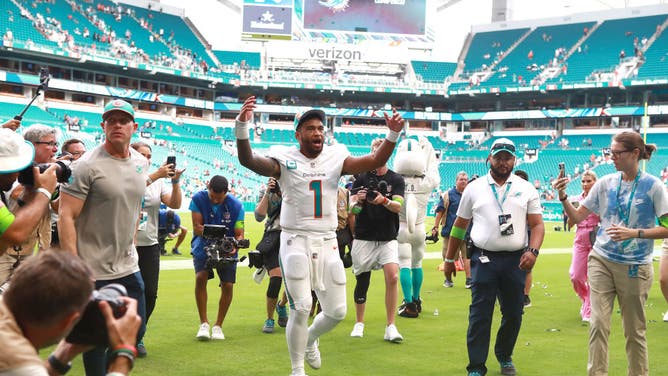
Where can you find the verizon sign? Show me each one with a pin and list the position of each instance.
(337, 52)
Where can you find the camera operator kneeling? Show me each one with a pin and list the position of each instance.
(215, 206)
(46, 298)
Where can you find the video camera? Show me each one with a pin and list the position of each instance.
(375, 187)
(63, 172)
(92, 328)
(221, 248)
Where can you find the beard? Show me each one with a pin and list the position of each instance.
(498, 173)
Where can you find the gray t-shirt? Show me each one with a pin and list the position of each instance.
(112, 190)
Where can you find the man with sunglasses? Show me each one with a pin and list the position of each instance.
(503, 207)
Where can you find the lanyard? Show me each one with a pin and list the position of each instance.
(496, 195)
(624, 214)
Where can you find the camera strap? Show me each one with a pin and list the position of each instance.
(273, 215)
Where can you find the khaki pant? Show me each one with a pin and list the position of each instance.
(607, 281)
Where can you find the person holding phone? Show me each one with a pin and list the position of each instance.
(148, 246)
(620, 266)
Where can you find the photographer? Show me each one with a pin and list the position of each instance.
(377, 202)
(46, 298)
(214, 206)
(270, 207)
(169, 228)
(18, 219)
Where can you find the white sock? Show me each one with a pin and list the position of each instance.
(321, 325)
(296, 333)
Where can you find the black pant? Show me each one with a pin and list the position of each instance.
(149, 266)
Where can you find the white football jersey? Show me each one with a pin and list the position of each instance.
(309, 188)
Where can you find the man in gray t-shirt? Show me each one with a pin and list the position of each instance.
(99, 210)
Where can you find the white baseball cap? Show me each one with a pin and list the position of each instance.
(15, 152)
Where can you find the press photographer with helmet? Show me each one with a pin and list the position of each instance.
(47, 297)
(18, 219)
(215, 206)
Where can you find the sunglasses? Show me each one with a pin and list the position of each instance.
(508, 147)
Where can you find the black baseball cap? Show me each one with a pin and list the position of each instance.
(310, 114)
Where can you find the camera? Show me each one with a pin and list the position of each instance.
(431, 238)
(276, 188)
(221, 248)
(63, 172)
(375, 187)
(255, 259)
(92, 328)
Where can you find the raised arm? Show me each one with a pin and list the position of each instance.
(356, 165)
(574, 215)
(257, 163)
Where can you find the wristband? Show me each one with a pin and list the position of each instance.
(115, 374)
(57, 365)
(387, 202)
(641, 234)
(176, 181)
(149, 181)
(563, 199)
(126, 353)
(241, 129)
(533, 251)
(6, 219)
(392, 136)
(458, 232)
(45, 192)
(449, 261)
(131, 349)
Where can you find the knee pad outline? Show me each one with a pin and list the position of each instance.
(362, 287)
(274, 287)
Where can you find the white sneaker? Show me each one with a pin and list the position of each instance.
(358, 330)
(312, 355)
(299, 372)
(203, 332)
(217, 332)
(392, 334)
(665, 317)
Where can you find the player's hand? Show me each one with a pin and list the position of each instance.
(395, 122)
(247, 109)
(449, 268)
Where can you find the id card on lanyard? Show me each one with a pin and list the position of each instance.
(505, 220)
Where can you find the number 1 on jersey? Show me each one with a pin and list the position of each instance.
(316, 187)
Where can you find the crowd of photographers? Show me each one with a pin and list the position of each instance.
(49, 298)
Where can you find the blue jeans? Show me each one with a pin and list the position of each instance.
(95, 360)
(501, 277)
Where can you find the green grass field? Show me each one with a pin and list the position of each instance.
(552, 341)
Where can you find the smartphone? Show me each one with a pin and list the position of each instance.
(171, 159)
(562, 170)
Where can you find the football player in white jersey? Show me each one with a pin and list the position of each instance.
(309, 256)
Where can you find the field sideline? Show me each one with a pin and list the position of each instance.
(552, 341)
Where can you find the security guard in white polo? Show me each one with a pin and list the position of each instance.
(503, 207)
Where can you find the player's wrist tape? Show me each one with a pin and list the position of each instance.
(45, 192)
(392, 136)
(458, 232)
(6, 219)
(241, 129)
